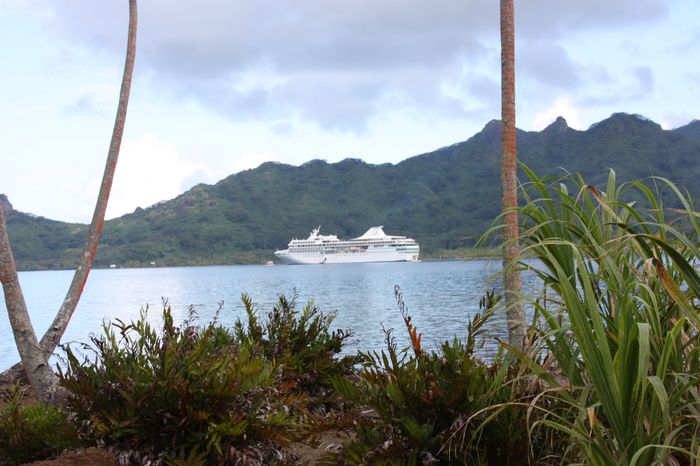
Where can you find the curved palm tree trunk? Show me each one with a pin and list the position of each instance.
(55, 331)
(509, 196)
(43, 380)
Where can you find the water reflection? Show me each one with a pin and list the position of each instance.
(439, 295)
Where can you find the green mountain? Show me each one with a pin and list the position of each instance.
(444, 199)
(692, 129)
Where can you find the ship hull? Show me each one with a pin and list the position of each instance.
(345, 258)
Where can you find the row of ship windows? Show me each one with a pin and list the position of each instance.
(343, 244)
(331, 250)
(318, 253)
(351, 245)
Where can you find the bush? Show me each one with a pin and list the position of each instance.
(187, 392)
(434, 407)
(301, 343)
(31, 432)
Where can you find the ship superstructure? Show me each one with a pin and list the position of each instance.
(373, 246)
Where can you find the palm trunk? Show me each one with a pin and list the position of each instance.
(43, 381)
(509, 196)
(55, 331)
(57, 328)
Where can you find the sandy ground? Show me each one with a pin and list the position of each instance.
(312, 451)
(307, 453)
(88, 457)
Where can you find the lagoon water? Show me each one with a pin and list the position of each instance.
(440, 297)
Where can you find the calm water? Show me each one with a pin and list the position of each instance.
(440, 296)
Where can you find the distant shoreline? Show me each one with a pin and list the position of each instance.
(254, 259)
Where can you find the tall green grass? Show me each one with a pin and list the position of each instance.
(618, 318)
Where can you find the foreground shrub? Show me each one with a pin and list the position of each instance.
(301, 343)
(433, 407)
(620, 318)
(187, 392)
(31, 432)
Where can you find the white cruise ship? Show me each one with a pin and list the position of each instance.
(373, 246)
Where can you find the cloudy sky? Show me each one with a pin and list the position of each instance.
(224, 85)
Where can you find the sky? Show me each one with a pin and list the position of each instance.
(222, 86)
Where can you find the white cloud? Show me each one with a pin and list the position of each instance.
(95, 99)
(148, 171)
(563, 107)
(38, 8)
(11, 6)
(676, 120)
(262, 61)
(252, 159)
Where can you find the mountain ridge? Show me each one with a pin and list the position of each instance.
(445, 199)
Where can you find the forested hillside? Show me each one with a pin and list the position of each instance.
(444, 199)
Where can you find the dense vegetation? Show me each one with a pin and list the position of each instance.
(200, 395)
(609, 375)
(434, 407)
(445, 199)
(618, 319)
(31, 432)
